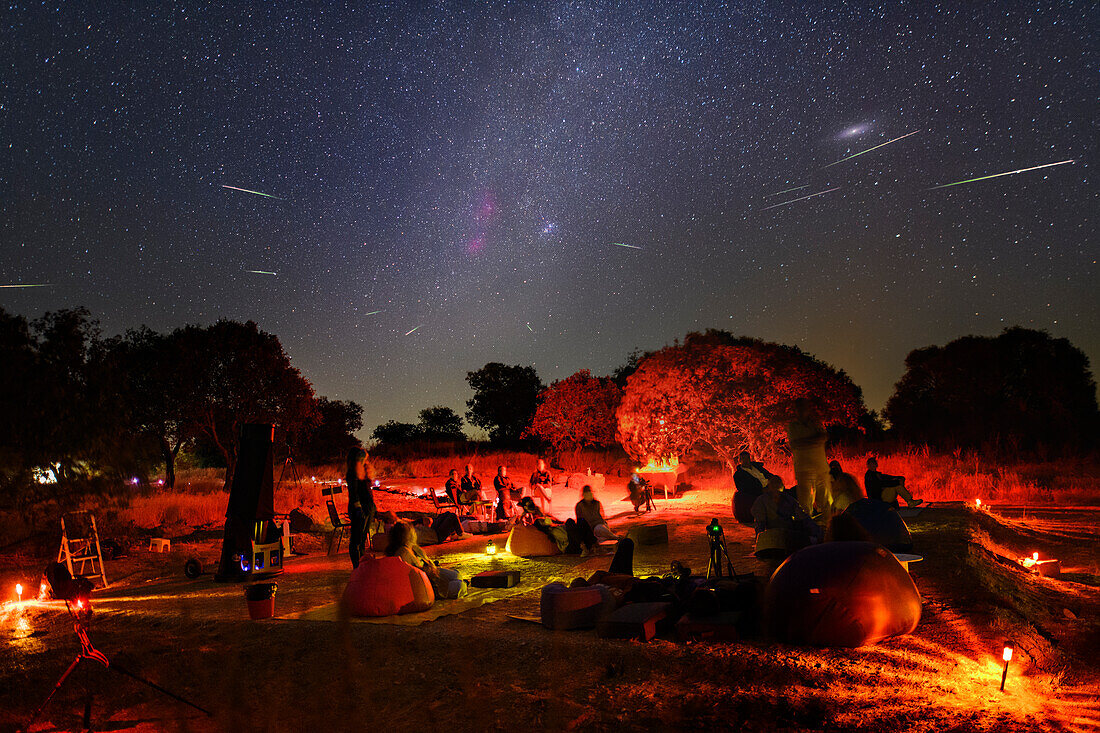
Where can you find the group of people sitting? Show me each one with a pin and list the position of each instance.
(466, 492)
(775, 507)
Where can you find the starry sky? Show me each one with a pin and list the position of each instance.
(472, 170)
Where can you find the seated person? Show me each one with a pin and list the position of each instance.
(470, 486)
(507, 493)
(884, 487)
(845, 488)
(779, 509)
(401, 543)
(542, 485)
(750, 476)
(640, 493)
(590, 511)
(454, 492)
(572, 538)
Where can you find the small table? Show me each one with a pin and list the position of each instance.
(666, 477)
(905, 559)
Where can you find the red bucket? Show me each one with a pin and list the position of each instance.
(261, 600)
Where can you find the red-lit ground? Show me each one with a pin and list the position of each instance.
(481, 670)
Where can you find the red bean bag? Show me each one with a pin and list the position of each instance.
(841, 594)
(386, 586)
(526, 541)
(573, 608)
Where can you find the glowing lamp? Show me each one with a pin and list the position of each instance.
(1007, 657)
(19, 591)
(1035, 557)
(491, 548)
(977, 503)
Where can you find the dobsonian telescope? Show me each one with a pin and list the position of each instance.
(252, 547)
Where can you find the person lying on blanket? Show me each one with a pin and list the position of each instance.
(572, 537)
(402, 544)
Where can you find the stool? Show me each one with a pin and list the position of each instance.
(159, 544)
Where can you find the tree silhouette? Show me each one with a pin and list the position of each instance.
(393, 433)
(505, 399)
(729, 393)
(333, 435)
(1022, 389)
(440, 424)
(578, 410)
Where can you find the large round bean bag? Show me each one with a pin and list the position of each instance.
(526, 541)
(883, 523)
(573, 608)
(841, 594)
(385, 586)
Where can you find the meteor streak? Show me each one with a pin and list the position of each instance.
(819, 193)
(529, 327)
(260, 272)
(998, 175)
(410, 332)
(786, 190)
(35, 285)
(255, 193)
(620, 244)
(914, 132)
(373, 313)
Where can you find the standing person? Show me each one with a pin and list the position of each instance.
(542, 486)
(361, 508)
(884, 487)
(590, 511)
(506, 493)
(749, 481)
(844, 488)
(806, 436)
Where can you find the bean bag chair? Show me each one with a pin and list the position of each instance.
(883, 523)
(386, 586)
(573, 608)
(526, 541)
(742, 505)
(844, 594)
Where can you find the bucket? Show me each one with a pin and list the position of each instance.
(261, 600)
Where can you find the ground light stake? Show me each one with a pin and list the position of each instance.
(19, 591)
(1007, 656)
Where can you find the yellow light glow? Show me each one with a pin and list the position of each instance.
(664, 464)
(1035, 556)
(1007, 656)
(491, 548)
(19, 590)
(978, 503)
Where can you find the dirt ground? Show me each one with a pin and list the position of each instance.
(482, 670)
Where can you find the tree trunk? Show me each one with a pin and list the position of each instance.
(169, 456)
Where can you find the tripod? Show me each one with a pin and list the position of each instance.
(290, 465)
(717, 550)
(87, 651)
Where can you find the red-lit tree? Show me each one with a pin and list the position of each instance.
(729, 393)
(577, 411)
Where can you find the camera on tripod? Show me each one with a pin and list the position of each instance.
(714, 530)
(76, 592)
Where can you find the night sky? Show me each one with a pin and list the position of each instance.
(470, 170)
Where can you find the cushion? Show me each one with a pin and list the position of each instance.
(386, 586)
(496, 579)
(526, 541)
(720, 626)
(573, 608)
(841, 594)
(634, 621)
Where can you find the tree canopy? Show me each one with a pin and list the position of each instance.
(578, 410)
(729, 393)
(504, 401)
(1021, 389)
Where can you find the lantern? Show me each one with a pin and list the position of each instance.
(491, 548)
(1007, 657)
(1035, 557)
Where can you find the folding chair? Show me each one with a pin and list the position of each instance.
(80, 544)
(338, 526)
(443, 502)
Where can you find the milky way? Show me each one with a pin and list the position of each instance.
(455, 174)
